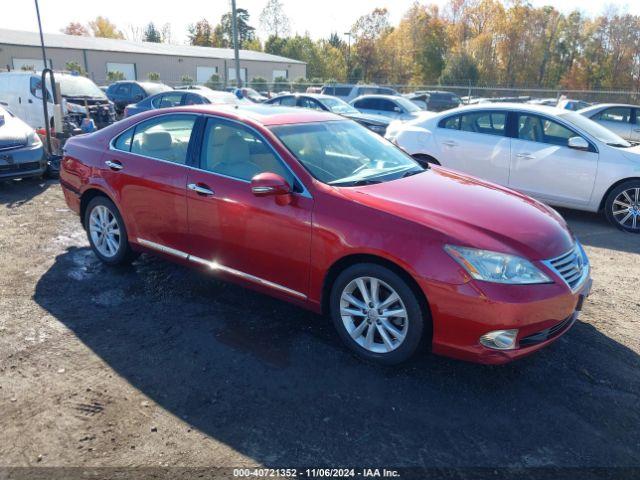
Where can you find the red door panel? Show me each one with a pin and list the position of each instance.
(251, 235)
(152, 198)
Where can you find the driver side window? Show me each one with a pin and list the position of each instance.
(234, 151)
(543, 130)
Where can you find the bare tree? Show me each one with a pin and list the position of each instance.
(273, 20)
(134, 33)
(165, 33)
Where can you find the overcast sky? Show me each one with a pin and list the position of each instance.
(319, 18)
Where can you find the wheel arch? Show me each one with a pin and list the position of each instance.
(353, 259)
(603, 200)
(86, 197)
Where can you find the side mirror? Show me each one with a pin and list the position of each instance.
(578, 143)
(267, 183)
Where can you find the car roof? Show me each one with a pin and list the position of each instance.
(527, 107)
(267, 115)
(319, 96)
(378, 95)
(609, 105)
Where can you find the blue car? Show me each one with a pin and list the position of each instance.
(177, 98)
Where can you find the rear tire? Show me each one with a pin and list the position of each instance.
(371, 323)
(622, 206)
(107, 232)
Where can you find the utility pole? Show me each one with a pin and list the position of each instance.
(348, 34)
(236, 52)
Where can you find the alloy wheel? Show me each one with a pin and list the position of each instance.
(373, 314)
(104, 231)
(626, 208)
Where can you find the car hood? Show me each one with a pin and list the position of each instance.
(369, 118)
(13, 131)
(470, 212)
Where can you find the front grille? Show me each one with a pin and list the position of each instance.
(572, 266)
(547, 333)
(19, 167)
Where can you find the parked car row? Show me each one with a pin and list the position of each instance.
(315, 209)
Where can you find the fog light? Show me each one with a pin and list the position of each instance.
(500, 339)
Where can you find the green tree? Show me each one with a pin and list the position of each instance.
(74, 67)
(281, 84)
(246, 32)
(153, 76)
(460, 68)
(300, 84)
(186, 79)
(259, 83)
(214, 82)
(151, 34)
(367, 31)
(200, 33)
(114, 76)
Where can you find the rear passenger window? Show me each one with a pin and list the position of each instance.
(288, 101)
(123, 142)
(234, 151)
(165, 138)
(491, 123)
(167, 100)
(615, 114)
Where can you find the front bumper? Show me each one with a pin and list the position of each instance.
(22, 162)
(463, 313)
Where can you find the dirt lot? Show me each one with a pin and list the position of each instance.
(159, 365)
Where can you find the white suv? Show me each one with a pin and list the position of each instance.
(558, 156)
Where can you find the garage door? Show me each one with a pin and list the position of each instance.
(203, 74)
(127, 69)
(28, 63)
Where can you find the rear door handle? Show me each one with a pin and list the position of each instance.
(526, 156)
(200, 189)
(114, 165)
(450, 143)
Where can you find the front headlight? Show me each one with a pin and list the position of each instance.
(496, 267)
(75, 108)
(33, 140)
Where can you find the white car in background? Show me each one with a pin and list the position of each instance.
(619, 118)
(557, 156)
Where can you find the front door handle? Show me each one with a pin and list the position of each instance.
(526, 156)
(200, 189)
(114, 165)
(450, 143)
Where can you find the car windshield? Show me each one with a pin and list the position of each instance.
(77, 86)
(344, 153)
(338, 106)
(222, 98)
(594, 129)
(408, 105)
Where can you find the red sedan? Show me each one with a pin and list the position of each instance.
(317, 210)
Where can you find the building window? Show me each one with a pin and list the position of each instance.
(280, 73)
(203, 74)
(232, 74)
(127, 69)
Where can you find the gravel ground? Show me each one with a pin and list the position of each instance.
(156, 364)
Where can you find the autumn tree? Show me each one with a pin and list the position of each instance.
(200, 33)
(367, 31)
(273, 20)
(102, 27)
(75, 28)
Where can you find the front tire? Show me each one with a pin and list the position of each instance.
(622, 206)
(107, 232)
(377, 314)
